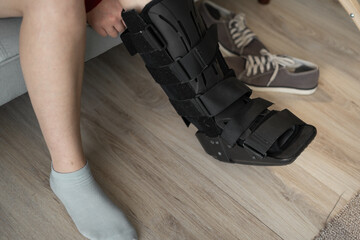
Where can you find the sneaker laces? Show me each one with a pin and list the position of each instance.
(240, 33)
(266, 62)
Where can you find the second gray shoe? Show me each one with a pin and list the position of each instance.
(235, 38)
(251, 60)
(276, 73)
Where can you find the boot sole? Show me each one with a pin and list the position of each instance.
(219, 150)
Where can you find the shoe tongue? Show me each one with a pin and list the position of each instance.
(229, 17)
(224, 18)
(291, 67)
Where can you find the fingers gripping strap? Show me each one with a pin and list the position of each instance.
(214, 101)
(192, 64)
(268, 132)
(243, 120)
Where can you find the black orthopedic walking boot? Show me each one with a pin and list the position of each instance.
(183, 56)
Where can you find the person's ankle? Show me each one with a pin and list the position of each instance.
(68, 165)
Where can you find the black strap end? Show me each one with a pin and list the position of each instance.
(126, 39)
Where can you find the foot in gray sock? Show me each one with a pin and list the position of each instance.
(95, 216)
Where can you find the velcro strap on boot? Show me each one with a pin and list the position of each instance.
(206, 80)
(214, 101)
(269, 131)
(143, 38)
(242, 120)
(192, 64)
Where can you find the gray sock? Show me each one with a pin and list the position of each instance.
(95, 216)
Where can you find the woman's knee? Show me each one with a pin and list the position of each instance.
(11, 8)
(65, 11)
(17, 8)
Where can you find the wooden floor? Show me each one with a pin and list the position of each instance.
(152, 166)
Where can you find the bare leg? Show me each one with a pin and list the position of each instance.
(52, 41)
(52, 59)
(51, 55)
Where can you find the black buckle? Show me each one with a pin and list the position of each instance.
(254, 154)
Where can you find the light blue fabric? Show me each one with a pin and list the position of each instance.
(12, 82)
(94, 214)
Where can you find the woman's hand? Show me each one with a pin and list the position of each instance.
(106, 19)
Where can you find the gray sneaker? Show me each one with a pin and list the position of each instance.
(235, 38)
(252, 62)
(276, 73)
